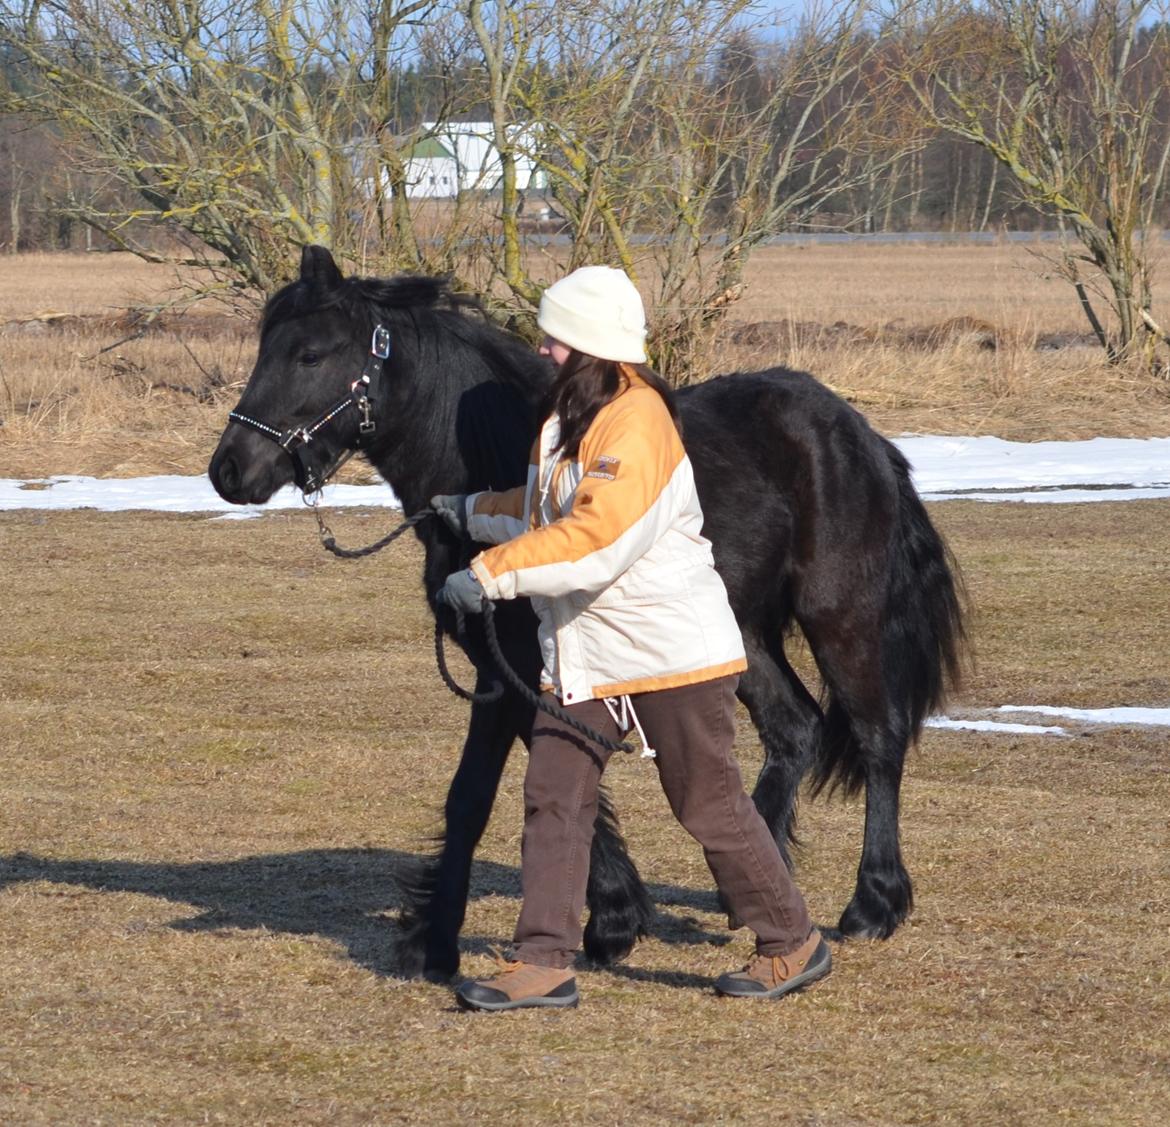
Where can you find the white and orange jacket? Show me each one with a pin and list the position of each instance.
(610, 549)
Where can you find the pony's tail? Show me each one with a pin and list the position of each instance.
(923, 640)
(925, 637)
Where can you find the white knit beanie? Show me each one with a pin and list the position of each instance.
(596, 310)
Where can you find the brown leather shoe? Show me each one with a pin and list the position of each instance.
(773, 976)
(518, 985)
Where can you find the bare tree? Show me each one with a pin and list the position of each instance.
(1071, 98)
(675, 138)
(232, 121)
(673, 135)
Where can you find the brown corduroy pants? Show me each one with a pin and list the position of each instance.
(692, 729)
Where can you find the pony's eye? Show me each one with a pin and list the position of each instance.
(310, 358)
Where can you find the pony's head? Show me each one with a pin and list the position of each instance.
(448, 406)
(309, 357)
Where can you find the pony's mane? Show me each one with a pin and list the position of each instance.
(431, 306)
(355, 296)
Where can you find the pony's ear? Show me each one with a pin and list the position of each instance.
(318, 268)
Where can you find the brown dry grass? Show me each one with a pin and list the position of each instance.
(894, 294)
(216, 758)
(71, 403)
(37, 285)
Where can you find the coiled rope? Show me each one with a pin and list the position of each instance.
(537, 700)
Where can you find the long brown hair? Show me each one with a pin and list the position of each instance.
(584, 384)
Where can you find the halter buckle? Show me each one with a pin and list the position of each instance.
(297, 437)
(365, 424)
(380, 344)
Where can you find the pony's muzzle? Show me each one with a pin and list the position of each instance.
(245, 472)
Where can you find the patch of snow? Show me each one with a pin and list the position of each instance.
(945, 468)
(949, 464)
(994, 726)
(1049, 496)
(170, 493)
(1124, 717)
(1118, 717)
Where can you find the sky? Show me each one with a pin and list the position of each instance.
(945, 468)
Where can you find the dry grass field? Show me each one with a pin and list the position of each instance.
(905, 332)
(221, 745)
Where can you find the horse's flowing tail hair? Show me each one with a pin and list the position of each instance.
(923, 638)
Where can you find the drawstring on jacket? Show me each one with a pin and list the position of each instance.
(622, 717)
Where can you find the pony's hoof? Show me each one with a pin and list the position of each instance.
(877, 908)
(408, 960)
(414, 957)
(604, 952)
(610, 937)
(851, 927)
(417, 966)
(440, 965)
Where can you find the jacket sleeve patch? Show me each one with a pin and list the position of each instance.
(604, 466)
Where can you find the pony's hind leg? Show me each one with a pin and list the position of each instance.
(884, 895)
(620, 908)
(788, 721)
(865, 744)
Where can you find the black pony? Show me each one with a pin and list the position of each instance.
(812, 516)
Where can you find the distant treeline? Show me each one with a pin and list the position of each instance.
(52, 178)
(670, 137)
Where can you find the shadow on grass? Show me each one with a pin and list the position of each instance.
(349, 896)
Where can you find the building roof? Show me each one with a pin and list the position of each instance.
(429, 147)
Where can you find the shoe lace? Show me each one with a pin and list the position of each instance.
(503, 964)
(770, 966)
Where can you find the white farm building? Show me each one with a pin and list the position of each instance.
(454, 157)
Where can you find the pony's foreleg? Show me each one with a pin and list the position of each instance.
(788, 721)
(620, 908)
(430, 924)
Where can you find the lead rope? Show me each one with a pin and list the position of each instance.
(510, 675)
(329, 542)
(550, 708)
(538, 701)
(492, 694)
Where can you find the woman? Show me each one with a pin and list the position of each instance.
(635, 629)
